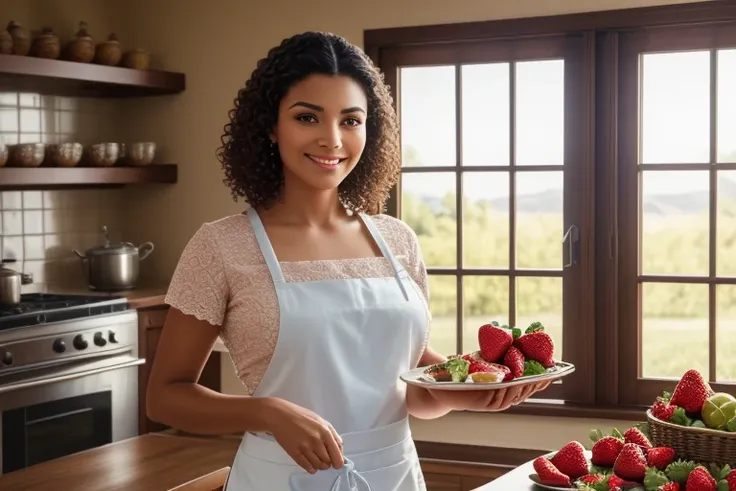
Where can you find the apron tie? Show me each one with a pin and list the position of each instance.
(348, 479)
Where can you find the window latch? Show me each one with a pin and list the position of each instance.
(570, 246)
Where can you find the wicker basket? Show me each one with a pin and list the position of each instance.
(698, 444)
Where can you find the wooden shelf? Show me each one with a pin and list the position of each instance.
(74, 177)
(66, 78)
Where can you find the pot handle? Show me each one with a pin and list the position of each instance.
(145, 249)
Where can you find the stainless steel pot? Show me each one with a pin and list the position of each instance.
(10, 284)
(113, 267)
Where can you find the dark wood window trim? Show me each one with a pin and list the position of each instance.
(607, 341)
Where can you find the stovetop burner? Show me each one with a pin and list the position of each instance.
(43, 308)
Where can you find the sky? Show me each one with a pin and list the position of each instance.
(676, 121)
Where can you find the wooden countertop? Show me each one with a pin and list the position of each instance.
(152, 462)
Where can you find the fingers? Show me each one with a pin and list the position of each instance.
(305, 463)
(333, 447)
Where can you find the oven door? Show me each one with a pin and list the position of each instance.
(61, 411)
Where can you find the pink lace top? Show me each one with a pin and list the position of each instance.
(222, 278)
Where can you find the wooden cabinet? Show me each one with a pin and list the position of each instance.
(150, 324)
(458, 476)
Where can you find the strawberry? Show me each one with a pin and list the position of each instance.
(571, 461)
(548, 473)
(660, 457)
(537, 346)
(606, 450)
(631, 463)
(494, 341)
(670, 486)
(634, 435)
(615, 482)
(691, 392)
(700, 480)
(592, 479)
(514, 359)
(663, 410)
(731, 480)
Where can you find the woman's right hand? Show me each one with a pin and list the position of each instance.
(308, 439)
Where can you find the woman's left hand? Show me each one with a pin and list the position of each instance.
(487, 400)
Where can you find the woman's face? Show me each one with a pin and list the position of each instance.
(321, 130)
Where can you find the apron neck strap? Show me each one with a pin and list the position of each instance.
(266, 248)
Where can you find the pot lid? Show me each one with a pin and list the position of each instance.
(109, 248)
(7, 272)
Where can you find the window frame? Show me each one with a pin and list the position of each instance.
(578, 162)
(603, 352)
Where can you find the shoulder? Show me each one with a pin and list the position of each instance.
(399, 235)
(231, 237)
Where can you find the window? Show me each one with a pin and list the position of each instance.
(578, 170)
(678, 207)
(492, 160)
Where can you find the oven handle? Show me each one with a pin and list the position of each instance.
(27, 384)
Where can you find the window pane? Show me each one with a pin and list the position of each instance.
(539, 220)
(726, 224)
(443, 305)
(485, 299)
(427, 103)
(540, 112)
(485, 103)
(675, 224)
(726, 334)
(727, 105)
(540, 300)
(674, 329)
(676, 107)
(486, 219)
(428, 207)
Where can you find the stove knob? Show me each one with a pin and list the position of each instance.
(7, 358)
(99, 339)
(112, 337)
(59, 346)
(79, 342)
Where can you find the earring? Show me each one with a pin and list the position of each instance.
(273, 148)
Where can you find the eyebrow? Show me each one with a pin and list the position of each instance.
(320, 109)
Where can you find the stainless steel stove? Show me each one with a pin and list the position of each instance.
(68, 376)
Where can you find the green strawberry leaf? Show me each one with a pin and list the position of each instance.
(723, 485)
(698, 424)
(532, 367)
(494, 323)
(679, 470)
(516, 333)
(680, 418)
(653, 478)
(617, 434)
(595, 435)
(534, 327)
(603, 471)
(731, 425)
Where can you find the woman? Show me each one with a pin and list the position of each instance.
(321, 306)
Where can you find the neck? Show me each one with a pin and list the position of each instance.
(300, 204)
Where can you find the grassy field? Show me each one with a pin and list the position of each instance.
(670, 346)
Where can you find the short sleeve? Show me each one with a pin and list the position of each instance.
(416, 267)
(199, 285)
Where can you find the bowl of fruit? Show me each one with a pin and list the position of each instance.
(506, 357)
(699, 423)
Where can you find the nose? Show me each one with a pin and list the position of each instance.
(331, 137)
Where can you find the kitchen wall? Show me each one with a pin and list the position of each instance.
(40, 228)
(217, 45)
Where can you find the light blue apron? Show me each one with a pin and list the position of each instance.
(341, 347)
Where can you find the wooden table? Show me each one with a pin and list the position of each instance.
(152, 462)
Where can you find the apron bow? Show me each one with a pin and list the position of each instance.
(348, 479)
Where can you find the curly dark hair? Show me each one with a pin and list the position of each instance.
(254, 171)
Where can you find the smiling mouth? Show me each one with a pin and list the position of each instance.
(330, 161)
